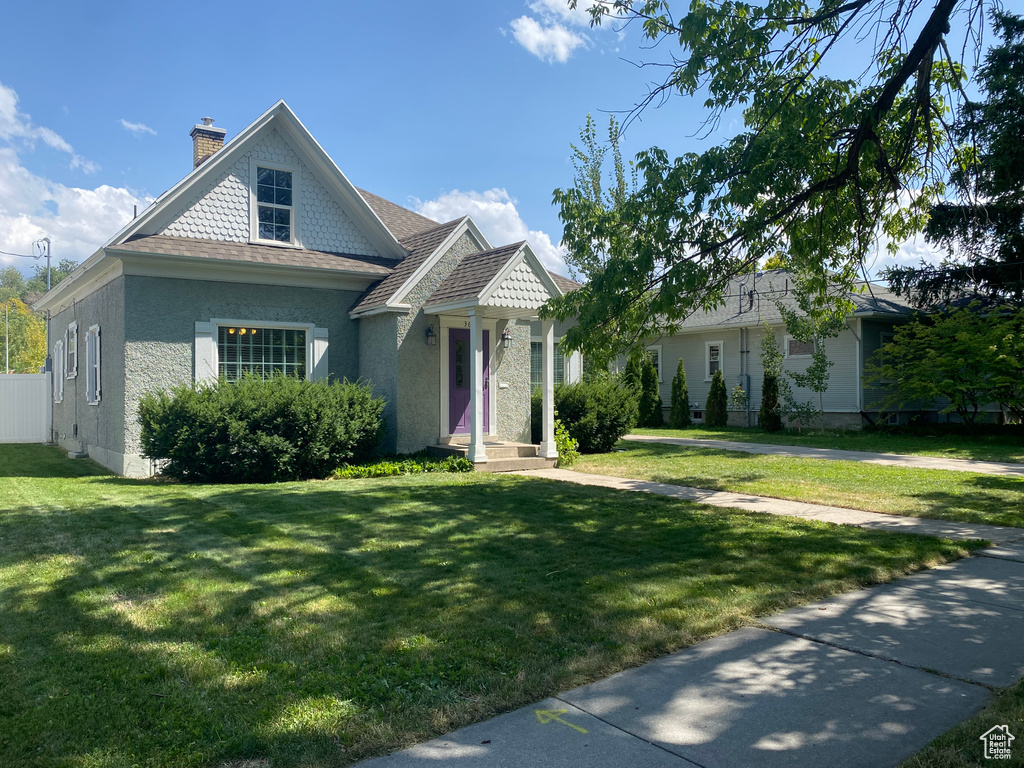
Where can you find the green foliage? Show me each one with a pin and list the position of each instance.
(715, 412)
(738, 398)
(679, 410)
(632, 374)
(964, 356)
(35, 286)
(566, 445)
(769, 417)
(22, 337)
(811, 177)
(596, 413)
(252, 430)
(414, 464)
(650, 405)
(983, 231)
(12, 284)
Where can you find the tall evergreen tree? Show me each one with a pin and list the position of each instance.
(650, 395)
(716, 413)
(679, 410)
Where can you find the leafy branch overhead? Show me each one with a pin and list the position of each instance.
(822, 165)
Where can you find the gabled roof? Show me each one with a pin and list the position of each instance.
(565, 285)
(402, 222)
(473, 274)
(219, 250)
(279, 117)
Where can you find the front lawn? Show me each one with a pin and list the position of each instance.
(934, 493)
(318, 623)
(982, 447)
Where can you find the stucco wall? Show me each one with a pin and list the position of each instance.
(378, 364)
(512, 378)
(101, 426)
(160, 316)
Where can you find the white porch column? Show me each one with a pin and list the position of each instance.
(547, 449)
(477, 451)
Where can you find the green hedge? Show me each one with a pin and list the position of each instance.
(413, 464)
(596, 413)
(255, 431)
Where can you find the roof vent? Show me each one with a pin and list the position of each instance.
(206, 140)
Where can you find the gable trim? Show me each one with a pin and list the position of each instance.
(466, 226)
(525, 253)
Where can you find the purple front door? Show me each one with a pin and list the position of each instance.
(460, 358)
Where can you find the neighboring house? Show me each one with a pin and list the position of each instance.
(729, 338)
(266, 258)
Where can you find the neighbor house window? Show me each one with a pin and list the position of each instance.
(71, 361)
(537, 364)
(273, 203)
(712, 358)
(654, 353)
(261, 352)
(92, 365)
(797, 348)
(58, 371)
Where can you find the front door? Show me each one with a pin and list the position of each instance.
(460, 357)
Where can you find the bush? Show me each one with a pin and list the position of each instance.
(716, 412)
(769, 418)
(596, 413)
(679, 410)
(260, 431)
(414, 464)
(567, 447)
(650, 397)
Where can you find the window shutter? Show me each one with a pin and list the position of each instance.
(205, 370)
(320, 370)
(72, 351)
(96, 358)
(92, 365)
(57, 371)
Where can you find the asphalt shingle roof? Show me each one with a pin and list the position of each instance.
(220, 250)
(473, 274)
(420, 247)
(402, 222)
(565, 285)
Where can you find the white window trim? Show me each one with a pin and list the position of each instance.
(92, 349)
(707, 358)
(71, 371)
(59, 363)
(254, 230)
(207, 364)
(785, 345)
(661, 357)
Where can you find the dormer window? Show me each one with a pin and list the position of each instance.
(273, 203)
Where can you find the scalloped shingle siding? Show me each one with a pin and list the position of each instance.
(522, 289)
(221, 211)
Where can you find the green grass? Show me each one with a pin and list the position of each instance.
(960, 747)
(1008, 447)
(934, 493)
(154, 624)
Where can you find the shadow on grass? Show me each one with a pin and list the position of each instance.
(324, 622)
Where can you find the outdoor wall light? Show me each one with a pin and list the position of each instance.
(431, 336)
(506, 337)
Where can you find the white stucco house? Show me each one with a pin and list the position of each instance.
(265, 257)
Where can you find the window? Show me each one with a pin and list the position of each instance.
(262, 352)
(58, 371)
(712, 358)
(71, 362)
(654, 352)
(92, 365)
(797, 348)
(272, 203)
(537, 364)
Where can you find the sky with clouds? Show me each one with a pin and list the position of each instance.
(467, 110)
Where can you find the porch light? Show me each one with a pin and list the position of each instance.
(431, 336)
(506, 337)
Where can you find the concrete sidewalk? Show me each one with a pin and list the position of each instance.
(833, 454)
(861, 680)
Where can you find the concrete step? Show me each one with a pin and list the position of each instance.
(494, 451)
(514, 465)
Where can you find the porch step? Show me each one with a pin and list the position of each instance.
(495, 450)
(514, 465)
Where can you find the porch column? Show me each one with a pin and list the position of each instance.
(477, 451)
(547, 449)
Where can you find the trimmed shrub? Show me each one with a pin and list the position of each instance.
(716, 412)
(255, 431)
(679, 411)
(769, 418)
(650, 396)
(596, 413)
(413, 464)
(632, 374)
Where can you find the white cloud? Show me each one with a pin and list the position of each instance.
(16, 125)
(560, 10)
(550, 42)
(136, 128)
(910, 253)
(494, 211)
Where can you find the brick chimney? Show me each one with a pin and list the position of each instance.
(205, 141)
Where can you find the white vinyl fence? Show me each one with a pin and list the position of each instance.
(24, 407)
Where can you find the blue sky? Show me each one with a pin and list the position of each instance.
(467, 107)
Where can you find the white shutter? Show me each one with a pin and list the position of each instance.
(57, 371)
(319, 369)
(92, 365)
(205, 354)
(97, 357)
(72, 351)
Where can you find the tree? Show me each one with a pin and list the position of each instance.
(36, 285)
(12, 284)
(983, 232)
(650, 396)
(813, 175)
(716, 413)
(679, 405)
(769, 417)
(23, 333)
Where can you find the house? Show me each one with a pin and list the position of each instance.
(265, 258)
(728, 338)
